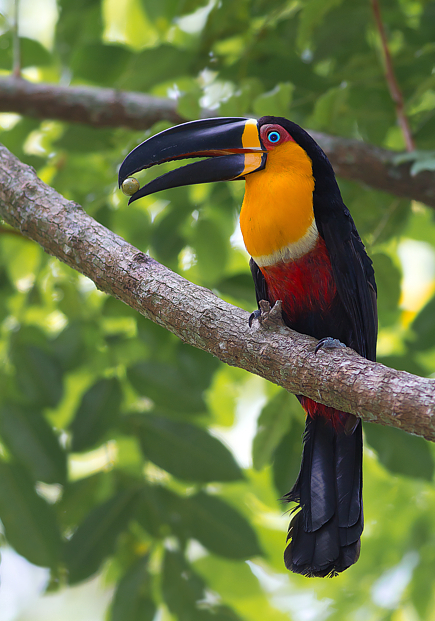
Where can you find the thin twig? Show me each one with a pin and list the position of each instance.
(16, 43)
(395, 92)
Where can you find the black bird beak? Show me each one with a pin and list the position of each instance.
(232, 144)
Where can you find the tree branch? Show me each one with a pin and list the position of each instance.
(103, 107)
(99, 107)
(340, 378)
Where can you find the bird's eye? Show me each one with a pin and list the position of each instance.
(273, 136)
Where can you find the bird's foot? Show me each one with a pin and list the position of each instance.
(267, 316)
(328, 343)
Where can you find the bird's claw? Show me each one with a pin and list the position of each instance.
(255, 315)
(328, 343)
(266, 315)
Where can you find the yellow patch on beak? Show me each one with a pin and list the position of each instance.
(251, 140)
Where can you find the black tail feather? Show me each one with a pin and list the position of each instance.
(324, 534)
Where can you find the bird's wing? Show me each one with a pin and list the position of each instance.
(354, 278)
(259, 282)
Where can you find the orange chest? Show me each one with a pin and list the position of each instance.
(277, 217)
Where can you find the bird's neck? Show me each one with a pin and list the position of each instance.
(277, 217)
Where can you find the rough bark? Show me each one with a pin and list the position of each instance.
(340, 378)
(103, 107)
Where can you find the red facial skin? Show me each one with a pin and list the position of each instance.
(265, 131)
(305, 286)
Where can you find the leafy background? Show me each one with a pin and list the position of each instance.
(128, 488)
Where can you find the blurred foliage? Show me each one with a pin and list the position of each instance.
(114, 436)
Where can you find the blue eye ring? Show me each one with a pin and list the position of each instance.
(274, 137)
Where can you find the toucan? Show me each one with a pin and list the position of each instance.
(305, 251)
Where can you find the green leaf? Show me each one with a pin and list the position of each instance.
(162, 63)
(240, 287)
(29, 522)
(220, 528)
(97, 413)
(186, 451)
(388, 279)
(21, 258)
(133, 223)
(69, 346)
(287, 458)
(38, 375)
(100, 63)
(32, 53)
(422, 160)
(273, 423)
(211, 249)
(185, 595)
(85, 139)
(169, 9)
(197, 366)
(161, 512)
(79, 497)
(404, 362)
(331, 111)
(311, 16)
(182, 588)
(32, 441)
(400, 452)
(276, 102)
(133, 596)
(79, 22)
(96, 537)
(188, 103)
(168, 386)
(423, 327)
(166, 238)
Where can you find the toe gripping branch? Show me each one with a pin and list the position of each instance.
(328, 342)
(267, 316)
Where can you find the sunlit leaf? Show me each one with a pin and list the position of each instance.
(424, 327)
(32, 53)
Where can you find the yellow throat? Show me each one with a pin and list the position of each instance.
(277, 217)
